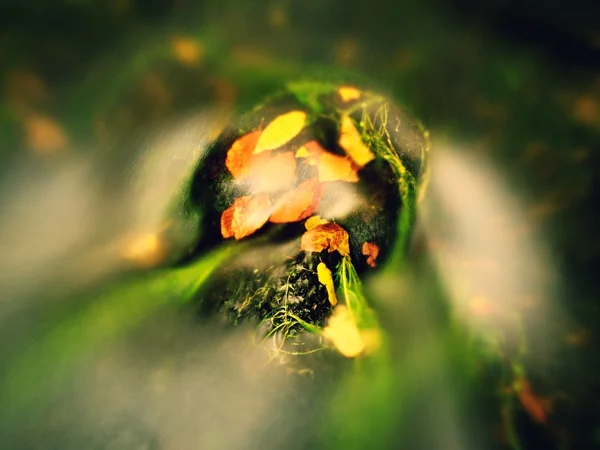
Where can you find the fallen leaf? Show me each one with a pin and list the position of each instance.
(329, 236)
(348, 93)
(343, 333)
(352, 143)
(240, 153)
(245, 216)
(44, 135)
(281, 130)
(313, 222)
(299, 203)
(311, 151)
(272, 174)
(371, 251)
(330, 167)
(227, 222)
(336, 168)
(537, 407)
(326, 279)
(186, 50)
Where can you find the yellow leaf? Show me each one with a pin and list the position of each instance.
(343, 333)
(348, 93)
(352, 143)
(326, 280)
(302, 152)
(336, 168)
(314, 222)
(311, 151)
(280, 131)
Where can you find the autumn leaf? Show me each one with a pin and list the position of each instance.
(326, 279)
(245, 216)
(227, 222)
(336, 168)
(280, 131)
(313, 222)
(299, 203)
(44, 135)
(240, 154)
(275, 173)
(352, 143)
(343, 332)
(266, 172)
(329, 236)
(348, 93)
(311, 151)
(537, 407)
(330, 167)
(371, 251)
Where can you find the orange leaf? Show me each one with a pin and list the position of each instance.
(336, 168)
(327, 236)
(351, 141)
(240, 153)
(281, 130)
(348, 93)
(245, 216)
(370, 250)
(312, 150)
(274, 173)
(44, 135)
(227, 222)
(534, 405)
(299, 203)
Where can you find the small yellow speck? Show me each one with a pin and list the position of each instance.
(186, 50)
(277, 16)
(44, 135)
(144, 250)
(586, 109)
